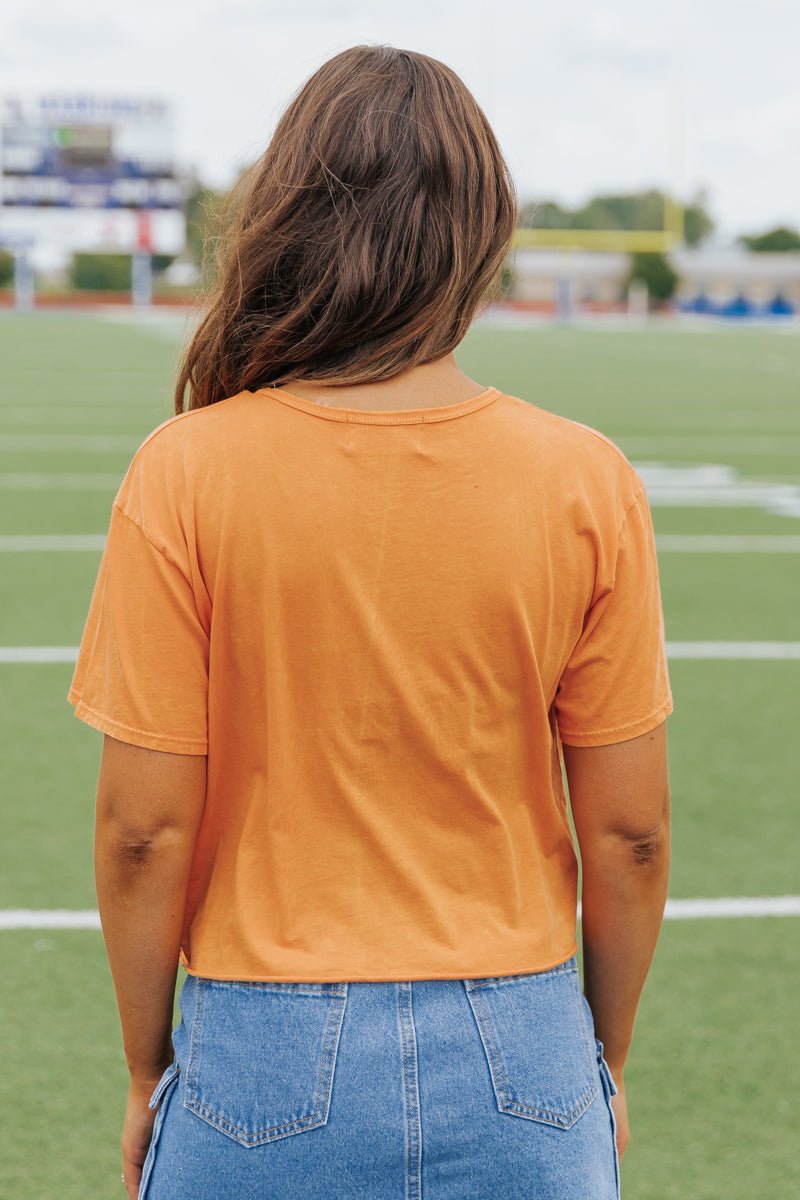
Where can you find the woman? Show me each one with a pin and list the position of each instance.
(353, 611)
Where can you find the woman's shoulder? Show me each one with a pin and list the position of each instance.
(175, 454)
(178, 430)
(572, 447)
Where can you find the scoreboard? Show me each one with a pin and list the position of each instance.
(90, 172)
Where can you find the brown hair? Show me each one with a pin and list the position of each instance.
(363, 240)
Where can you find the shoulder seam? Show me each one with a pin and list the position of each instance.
(597, 434)
(640, 489)
(601, 437)
(149, 540)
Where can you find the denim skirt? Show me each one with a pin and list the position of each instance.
(435, 1089)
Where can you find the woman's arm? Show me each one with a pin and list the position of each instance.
(149, 805)
(619, 797)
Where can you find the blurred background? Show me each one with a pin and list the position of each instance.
(652, 292)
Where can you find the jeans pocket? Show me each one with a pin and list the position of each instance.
(539, 1045)
(262, 1056)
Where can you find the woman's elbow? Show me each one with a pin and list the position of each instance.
(128, 844)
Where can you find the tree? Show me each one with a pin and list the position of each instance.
(697, 224)
(643, 210)
(160, 262)
(780, 239)
(505, 281)
(543, 214)
(654, 269)
(634, 210)
(6, 268)
(101, 272)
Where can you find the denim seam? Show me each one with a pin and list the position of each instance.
(497, 1066)
(247, 1138)
(192, 1064)
(330, 1046)
(587, 1034)
(413, 1132)
(607, 1094)
(156, 1135)
(281, 987)
(166, 1079)
(492, 980)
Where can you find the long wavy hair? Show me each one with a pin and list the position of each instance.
(363, 241)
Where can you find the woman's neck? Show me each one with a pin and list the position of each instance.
(431, 385)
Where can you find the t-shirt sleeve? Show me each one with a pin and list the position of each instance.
(616, 685)
(141, 673)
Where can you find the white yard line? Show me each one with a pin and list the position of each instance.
(667, 543)
(733, 906)
(728, 543)
(710, 908)
(91, 443)
(57, 918)
(734, 651)
(100, 409)
(30, 481)
(38, 654)
(714, 485)
(735, 444)
(14, 543)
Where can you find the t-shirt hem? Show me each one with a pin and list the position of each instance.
(619, 733)
(131, 735)
(500, 970)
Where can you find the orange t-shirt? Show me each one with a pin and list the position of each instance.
(377, 625)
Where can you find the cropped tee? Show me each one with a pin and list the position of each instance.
(379, 627)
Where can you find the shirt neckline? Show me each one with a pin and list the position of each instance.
(402, 416)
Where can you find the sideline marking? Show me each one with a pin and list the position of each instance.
(723, 907)
(733, 651)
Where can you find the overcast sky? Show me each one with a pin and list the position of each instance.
(583, 96)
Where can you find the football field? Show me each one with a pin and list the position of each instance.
(710, 415)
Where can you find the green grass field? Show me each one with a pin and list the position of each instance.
(712, 1077)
